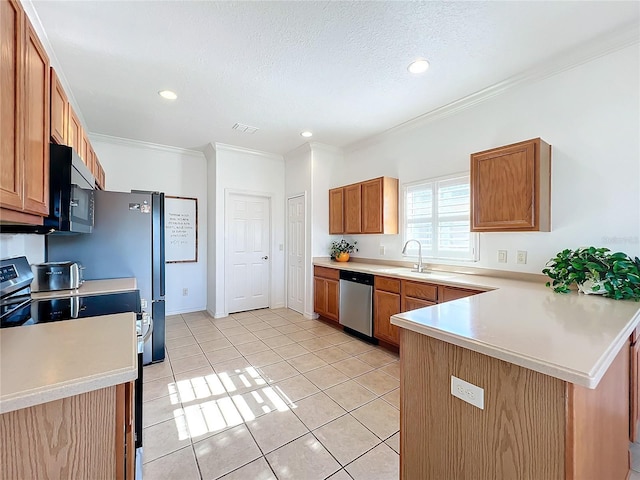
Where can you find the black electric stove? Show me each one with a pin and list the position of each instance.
(18, 309)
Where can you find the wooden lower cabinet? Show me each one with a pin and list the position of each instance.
(326, 292)
(533, 426)
(84, 436)
(386, 302)
(634, 386)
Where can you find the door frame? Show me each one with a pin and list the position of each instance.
(286, 251)
(249, 193)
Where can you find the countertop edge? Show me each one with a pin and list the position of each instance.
(52, 393)
(590, 381)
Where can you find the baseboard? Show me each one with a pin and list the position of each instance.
(278, 305)
(187, 310)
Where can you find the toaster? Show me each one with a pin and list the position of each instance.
(51, 276)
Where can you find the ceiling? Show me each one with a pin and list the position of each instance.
(338, 69)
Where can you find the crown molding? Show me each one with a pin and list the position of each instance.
(327, 148)
(258, 153)
(98, 137)
(600, 46)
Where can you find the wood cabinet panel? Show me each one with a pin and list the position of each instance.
(598, 425)
(387, 284)
(85, 150)
(37, 130)
(372, 206)
(333, 299)
(326, 297)
(11, 105)
(353, 208)
(519, 434)
(385, 305)
(74, 134)
(325, 272)
(634, 388)
(446, 293)
(336, 211)
(70, 438)
(423, 291)
(510, 188)
(59, 111)
(409, 303)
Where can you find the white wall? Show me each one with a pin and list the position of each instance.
(176, 172)
(31, 246)
(210, 155)
(589, 114)
(247, 171)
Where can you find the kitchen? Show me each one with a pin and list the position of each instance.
(584, 158)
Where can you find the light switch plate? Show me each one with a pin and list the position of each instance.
(502, 256)
(468, 392)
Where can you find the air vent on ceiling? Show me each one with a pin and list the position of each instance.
(241, 127)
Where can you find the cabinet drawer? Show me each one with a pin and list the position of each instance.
(387, 284)
(325, 272)
(423, 291)
(450, 293)
(409, 304)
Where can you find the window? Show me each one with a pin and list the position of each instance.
(437, 213)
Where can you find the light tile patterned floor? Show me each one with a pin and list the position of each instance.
(269, 394)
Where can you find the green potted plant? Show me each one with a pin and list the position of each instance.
(340, 250)
(595, 271)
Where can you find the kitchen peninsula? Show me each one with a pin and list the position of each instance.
(555, 374)
(555, 370)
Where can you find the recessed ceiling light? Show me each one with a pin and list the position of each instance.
(306, 134)
(168, 94)
(418, 66)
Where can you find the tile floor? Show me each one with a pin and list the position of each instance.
(269, 394)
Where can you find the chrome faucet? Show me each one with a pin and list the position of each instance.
(419, 267)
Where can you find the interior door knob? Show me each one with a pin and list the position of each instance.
(266, 257)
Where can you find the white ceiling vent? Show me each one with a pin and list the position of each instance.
(241, 127)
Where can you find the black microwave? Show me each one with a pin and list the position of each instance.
(71, 196)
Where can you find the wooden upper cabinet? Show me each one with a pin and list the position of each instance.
(380, 205)
(511, 188)
(365, 207)
(36, 132)
(11, 105)
(336, 211)
(85, 151)
(353, 208)
(59, 111)
(74, 132)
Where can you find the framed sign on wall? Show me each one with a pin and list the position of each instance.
(181, 229)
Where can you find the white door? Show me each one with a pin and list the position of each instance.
(247, 252)
(295, 253)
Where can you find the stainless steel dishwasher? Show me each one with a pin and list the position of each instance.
(356, 303)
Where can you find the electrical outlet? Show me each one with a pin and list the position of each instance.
(185, 292)
(381, 249)
(502, 256)
(468, 392)
(143, 303)
(521, 257)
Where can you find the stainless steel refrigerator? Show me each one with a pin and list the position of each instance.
(127, 241)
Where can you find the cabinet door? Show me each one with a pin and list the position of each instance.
(333, 299)
(319, 296)
(447, 294)
(85, 150)
(11, 114)
(37, 132)
(74, 133)
(59, 111)
(410, 303)
(510, 188)
(372, 203)
(353, 208)
(385, 305)
(336, 210)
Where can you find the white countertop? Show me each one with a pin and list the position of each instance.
(573, 337)
(46, 362)
(92, 287)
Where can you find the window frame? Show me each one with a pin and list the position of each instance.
(434, 254)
